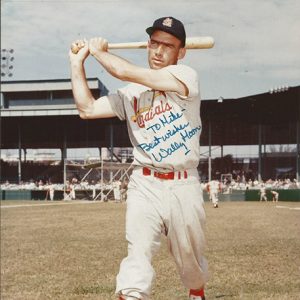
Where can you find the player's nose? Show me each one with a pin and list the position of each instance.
(159, 50)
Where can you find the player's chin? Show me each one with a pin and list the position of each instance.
(156, 64)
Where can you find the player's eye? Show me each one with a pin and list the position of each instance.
(169, 46)
(153, 44)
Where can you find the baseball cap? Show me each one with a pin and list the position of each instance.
(169, 25)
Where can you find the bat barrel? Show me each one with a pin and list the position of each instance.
(200, 42)
(203, 42)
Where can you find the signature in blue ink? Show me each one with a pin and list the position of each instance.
(164, 153)
(188, 134)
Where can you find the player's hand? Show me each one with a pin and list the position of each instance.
(97, 44)
(79, 51)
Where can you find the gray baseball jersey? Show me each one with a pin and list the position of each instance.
(164, 127)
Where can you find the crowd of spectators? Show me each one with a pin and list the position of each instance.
(227, 185)
(268, 184)
(40, 185)
(70, 189)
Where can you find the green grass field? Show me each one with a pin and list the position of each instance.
(72, 250)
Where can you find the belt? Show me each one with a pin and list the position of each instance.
(166, 176)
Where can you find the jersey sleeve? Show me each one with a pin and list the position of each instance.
(188, 76)
(121, 101)
(117, 103)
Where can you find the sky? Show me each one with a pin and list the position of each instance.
(257, 42)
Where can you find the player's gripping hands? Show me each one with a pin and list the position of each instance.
(79, 51)
(97, 44)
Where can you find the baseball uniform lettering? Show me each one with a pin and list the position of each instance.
(151, 113)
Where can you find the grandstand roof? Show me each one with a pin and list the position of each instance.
(42, 97)
(44, 85)
(232, 121)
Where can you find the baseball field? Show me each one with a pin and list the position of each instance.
(72, 250)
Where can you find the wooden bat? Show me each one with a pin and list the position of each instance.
(197, 42)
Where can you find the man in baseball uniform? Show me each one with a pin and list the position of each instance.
(213, 188)
(161, 106)
(275, 196)
(263, 193)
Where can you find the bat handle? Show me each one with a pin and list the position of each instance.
(132, 45)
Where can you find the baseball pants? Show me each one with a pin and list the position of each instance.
(214, 197)
(174, 208)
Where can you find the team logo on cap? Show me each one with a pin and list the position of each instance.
(167, 22)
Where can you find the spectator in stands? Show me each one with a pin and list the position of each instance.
(40, 184)
(49, 191)
(295, 184)
(67, 195)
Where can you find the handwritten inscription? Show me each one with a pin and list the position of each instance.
(188, 134)
(163, 153)
(171, 135)
(158, 139)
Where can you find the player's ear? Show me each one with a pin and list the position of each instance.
(181, 53)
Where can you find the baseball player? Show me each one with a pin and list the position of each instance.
(213, 188)
(51, 190)
(117, 190)
(275, 196)
(263, 193)
(161, 105)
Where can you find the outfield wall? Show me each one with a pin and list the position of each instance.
(284, 195)
(41, 195)
(235, 195)
(254, 195)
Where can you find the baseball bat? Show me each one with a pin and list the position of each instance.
(197, 42)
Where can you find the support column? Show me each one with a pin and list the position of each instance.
(63, 158)
(222, 161)
(209, 150)
(111, 142)
(298, 151)
(20, 155)
(1, 100)
(259, 152)
(102, 174)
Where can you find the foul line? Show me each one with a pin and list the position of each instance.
(295, 208)
(50, 204)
